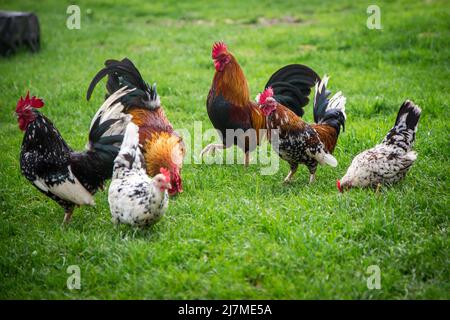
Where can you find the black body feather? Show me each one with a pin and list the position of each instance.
(292, 85)
(222, 114)
(46, 157)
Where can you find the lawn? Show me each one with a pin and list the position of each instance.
(235, 233)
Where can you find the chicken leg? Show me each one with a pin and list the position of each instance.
(291, 173)
(377, 191)
(211, 148)
(67, 215)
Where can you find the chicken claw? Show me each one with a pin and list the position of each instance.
(211, 148)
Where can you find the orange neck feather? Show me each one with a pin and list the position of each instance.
(231, 84)
(163, 150)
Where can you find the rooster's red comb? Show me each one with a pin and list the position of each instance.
(31, 102)
(268, 93)
(166, 173)
(218, 49)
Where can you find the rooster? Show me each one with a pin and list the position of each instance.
(388, 162)
(300, 142)
(161, 146)
(133, 197)
(68, 177)
(229, 105)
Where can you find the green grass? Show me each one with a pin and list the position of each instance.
(234, 233)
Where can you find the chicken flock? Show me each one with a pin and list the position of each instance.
(132, 142)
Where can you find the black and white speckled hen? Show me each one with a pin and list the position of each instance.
(135, 198)
(389, 161)
(300, 142)
(68, 177)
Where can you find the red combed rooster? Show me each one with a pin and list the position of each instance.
(300, 142)
(161, 145)
(68, 177)
(229, 105)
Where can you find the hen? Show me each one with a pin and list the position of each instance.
(300, 142)
(161, 145)
(133, 197)
(388, 162)
(66, 176)
(229, 106)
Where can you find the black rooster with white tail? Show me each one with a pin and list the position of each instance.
(389, 161)
(135, 198)
(68, 177)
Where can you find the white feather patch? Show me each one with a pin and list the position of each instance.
(338, 101)
(40, 184)
(324, 158)
(330, 160)
(108, 110)
(69, 191)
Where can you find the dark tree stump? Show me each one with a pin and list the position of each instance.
(17, 29)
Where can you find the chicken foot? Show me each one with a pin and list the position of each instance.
(211, 148)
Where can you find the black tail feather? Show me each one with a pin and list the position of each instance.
(292, 85)
(105, 146)
(124, 73)
(413, 115)
(329, 111)
(98, 130)
(403, 133)
(119, 73)
(99, 76)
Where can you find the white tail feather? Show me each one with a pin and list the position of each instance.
(338, 101)
(326, 158)
(109, 109)
(321, 85)
(330, 160)
(130, 148)
(412, 156)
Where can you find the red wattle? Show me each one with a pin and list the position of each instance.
(338, 185)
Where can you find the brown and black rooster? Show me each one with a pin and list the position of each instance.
(229, 105)
(302, 143)
(161, 145)
(66, 176)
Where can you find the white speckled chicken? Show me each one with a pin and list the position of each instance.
(389, 161)
(135, 198)
(300, 142)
